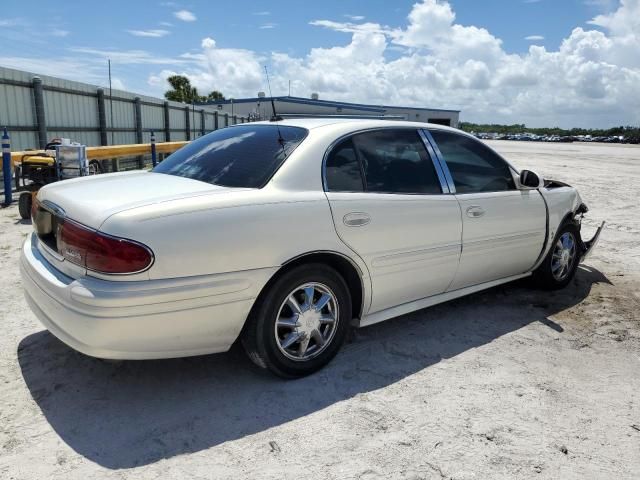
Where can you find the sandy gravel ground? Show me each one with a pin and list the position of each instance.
(509, 383)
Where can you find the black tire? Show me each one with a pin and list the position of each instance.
(543, 276)
(24, 205)
(97, 166)
(260, 334)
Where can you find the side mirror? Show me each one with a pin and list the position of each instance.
(530, 180)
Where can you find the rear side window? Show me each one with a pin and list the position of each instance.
(473, 166)
(396, 161)
(343, 172)
(244, 156)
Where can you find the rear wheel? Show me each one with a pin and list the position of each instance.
(561, 263)
(24, 205)
(96, 167)
(298, 325)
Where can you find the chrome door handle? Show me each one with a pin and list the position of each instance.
(475, 211)
(356, 219)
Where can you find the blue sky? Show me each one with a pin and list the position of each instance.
(222, 45)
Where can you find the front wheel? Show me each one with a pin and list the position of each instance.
(298, 325)
(561, 263)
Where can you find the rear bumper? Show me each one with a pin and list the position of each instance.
(140, 319)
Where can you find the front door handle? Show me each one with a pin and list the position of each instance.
(475, 211)
(356, 219)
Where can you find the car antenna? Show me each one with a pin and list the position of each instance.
(275, 117)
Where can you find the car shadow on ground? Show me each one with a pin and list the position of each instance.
(136, 413)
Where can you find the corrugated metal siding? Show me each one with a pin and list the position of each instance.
(178, 136)
(152, 117)
(209, 122)
(123, 114)
(23, 140)
(68, 110)
(73, 108)
(176, 119)
(16, 106)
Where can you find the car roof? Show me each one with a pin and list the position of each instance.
(357, 123)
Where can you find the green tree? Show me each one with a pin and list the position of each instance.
(215, 95)
(182, 91)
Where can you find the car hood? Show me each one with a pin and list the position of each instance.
(91, 200)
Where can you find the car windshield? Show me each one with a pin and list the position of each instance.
(243, 156)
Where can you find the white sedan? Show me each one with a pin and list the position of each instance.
(285, 234)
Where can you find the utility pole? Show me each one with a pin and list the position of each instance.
(110, 100)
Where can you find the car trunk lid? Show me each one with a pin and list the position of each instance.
(89, 201)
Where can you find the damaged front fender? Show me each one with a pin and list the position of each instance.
(589, 245)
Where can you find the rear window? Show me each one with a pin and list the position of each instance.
(245, 156)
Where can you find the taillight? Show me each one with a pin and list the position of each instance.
(101, 253)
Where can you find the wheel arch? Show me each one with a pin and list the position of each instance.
(345, 266)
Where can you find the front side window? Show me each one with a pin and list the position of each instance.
(473, 166)
(396, 161)
(243, 156)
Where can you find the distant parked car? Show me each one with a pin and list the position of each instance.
(285, 234)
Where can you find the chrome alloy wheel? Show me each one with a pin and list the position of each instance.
(307, 321)
(564, 256)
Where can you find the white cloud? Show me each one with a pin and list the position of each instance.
(185, 16)
(534, 38)
(13, 22)
(622, 22)
(348, 27)
(267, 26)
(149, 33)
(592, 79)
(262, 13)
(74, 68)
(208, 43)
(57, 32)
(129, 57)
(355, 18)
(236, 72)
(166, 24)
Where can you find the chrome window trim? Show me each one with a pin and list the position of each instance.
(338, 140)
(446, 188)
(441, 161)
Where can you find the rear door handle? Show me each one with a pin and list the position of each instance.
(356, 219)
(475, 211)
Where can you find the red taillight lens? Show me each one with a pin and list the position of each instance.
(101, 253)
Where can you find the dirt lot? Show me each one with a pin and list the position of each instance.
(509, 383)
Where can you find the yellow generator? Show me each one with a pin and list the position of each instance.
(57, 162)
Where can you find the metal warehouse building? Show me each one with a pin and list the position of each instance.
(260, 108)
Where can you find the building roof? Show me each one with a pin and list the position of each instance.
(323, 103)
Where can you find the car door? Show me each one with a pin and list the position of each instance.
(503, 228)
(389, 207)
